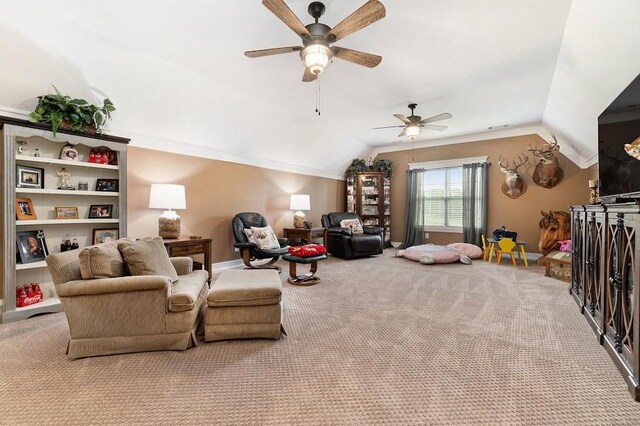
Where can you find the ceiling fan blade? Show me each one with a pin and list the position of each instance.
(438, 117)
(434, 127)
(404, 133)
(402, 117)
(282, 11)
(369, 13)
(274, 51)
(357, 57)
(308, 75)
(387, 127)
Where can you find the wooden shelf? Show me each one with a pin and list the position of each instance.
(64, 221)
(44, 160)
(34, 265)
(66, 192)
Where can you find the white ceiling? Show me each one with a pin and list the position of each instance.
(177, 74)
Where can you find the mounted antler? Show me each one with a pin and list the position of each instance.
(513, 185)
(548, 172)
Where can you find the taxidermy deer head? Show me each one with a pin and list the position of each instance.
(548, 172)
(513, 185)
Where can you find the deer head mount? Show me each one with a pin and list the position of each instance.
(548, 172)
(513, 185)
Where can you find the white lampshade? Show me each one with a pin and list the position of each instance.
(300, 202)
(412, 131)
(167, 196)
(316, 57)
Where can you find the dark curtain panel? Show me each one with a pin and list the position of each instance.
(414, 210)
(474, 202)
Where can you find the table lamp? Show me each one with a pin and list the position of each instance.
(168, 196)
(299, 202)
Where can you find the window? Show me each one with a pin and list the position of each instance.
(443, 198)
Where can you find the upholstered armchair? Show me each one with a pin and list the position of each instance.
(250, 251)
(353, 240)
(110, 311)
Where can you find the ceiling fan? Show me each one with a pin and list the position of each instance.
(316, 52)
(413, 124)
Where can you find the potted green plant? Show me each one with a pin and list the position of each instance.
(62, 111)
(358, 166)
(382, 165)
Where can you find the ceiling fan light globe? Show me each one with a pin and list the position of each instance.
(316, 57)
(412, 131)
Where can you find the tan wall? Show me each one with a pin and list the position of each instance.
(216, 191)
(522, 214)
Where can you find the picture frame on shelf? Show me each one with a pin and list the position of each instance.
(104, 235)
(107, 185)
(29, 177)
(67, 213)
(101, 211)
(25, 210)
(32, 246)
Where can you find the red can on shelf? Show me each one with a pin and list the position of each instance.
(28, 294)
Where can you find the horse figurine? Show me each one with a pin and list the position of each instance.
(555, 226)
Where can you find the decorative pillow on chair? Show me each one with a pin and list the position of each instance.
(307, 251)
(101, 261)
(265, 238)
(147, 257)
(471, 250)
(353, 224)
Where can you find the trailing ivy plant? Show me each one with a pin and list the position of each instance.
(380, 164)
(77, 114)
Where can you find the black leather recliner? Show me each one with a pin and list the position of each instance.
(347, 245)
(251, 251)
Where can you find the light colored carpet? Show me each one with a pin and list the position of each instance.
(378, 341)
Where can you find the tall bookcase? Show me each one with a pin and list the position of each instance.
(368, 195)
(45, 163)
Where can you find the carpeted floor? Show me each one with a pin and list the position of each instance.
(378, 341)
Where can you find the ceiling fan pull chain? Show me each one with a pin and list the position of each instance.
(318, 95)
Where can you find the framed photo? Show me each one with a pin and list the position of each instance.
(25, 210)
(67, 213)
(104, 235)
(97, 211)
(32, 246)
(108, 185)
(29, 177)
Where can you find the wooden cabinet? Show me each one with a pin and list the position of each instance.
(30, 165)
(605, 279)
(368, 194)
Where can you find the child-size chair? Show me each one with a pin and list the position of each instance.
(505, 246)
(486, 249)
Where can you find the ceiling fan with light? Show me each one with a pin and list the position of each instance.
(413, 124)
(316, 51)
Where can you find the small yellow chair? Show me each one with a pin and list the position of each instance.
(486, 249)
(506, 246)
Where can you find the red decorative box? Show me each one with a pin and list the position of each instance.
(28, 294)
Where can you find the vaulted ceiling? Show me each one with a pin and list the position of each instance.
(177, 74)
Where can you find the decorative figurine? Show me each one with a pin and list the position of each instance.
(593, 195)
(36, 152)
(21, 144)
(68, 152)
(64, 179)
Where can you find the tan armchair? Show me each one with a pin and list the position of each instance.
(129, 313)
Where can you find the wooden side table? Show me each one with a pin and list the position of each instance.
(306, 235)
(187, 247)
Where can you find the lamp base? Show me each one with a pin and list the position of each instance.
(298, 220)
(169, 227)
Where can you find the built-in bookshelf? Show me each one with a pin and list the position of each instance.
(32, 148)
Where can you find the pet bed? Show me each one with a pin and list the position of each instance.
(429, 254)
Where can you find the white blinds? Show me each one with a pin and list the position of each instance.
(442, 201)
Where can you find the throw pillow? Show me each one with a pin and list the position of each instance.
(249, 233)
(265, 238)
(101, 261)
(471, 250)
(353, 224)
(307, 251)
(147, 257)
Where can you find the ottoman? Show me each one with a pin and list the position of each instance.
(304, 279)
(244, 305)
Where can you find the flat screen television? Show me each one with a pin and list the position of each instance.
(619, 146)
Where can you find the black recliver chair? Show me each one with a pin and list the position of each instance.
(341, 242)
(249, 250)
